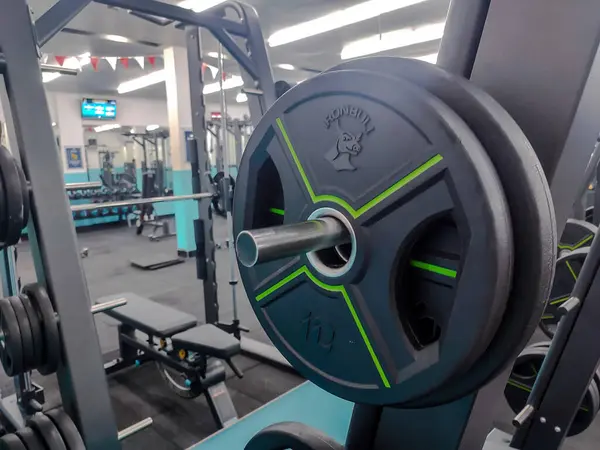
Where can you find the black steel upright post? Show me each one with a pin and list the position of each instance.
(200, 163)
(81, 377)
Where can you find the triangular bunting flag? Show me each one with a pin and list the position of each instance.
(152, 60)
(125, 62)
(213, 71)
(224, 75)
(139, 60)
(94, 62)
(60, 60)
(112, 60)
(204, 66)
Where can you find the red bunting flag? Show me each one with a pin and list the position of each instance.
(125, 62)
(94, 62)
(60, 60)
(224, 75)
(204, 66)
(152, 60)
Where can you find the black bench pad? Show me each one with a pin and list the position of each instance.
(149, 316)
(209, 340)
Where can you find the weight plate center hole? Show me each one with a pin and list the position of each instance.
(336, 260)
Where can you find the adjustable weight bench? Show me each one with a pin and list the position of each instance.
(188, 355)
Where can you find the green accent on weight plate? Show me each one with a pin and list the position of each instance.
(560, 300)
(279, 212)
(579, 244)
(524, 387)
(547, 316)
(342, 290)
(433, 268)
(355, 213)
(571, 270)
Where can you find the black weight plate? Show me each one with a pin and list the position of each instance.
(3, 215)
(429, 218)
(11, 442)
(12, 347)
(36, 331)
(43, 306)
(293, 436)
(568, 267)
(47, 431)
(12, 196)
(531, 211)
(25, 331)
(577, 234)
(67, 429)
(30, 439)
(24, 194)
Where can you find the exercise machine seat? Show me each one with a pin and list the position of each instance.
(208, 340)
(149, 316)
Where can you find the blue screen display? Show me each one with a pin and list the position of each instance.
(93, 108)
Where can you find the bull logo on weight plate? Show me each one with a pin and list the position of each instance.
(349, 143)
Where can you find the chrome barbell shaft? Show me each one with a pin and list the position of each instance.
(139, 201)
(268, 244)
(83, 185)
(106, 306)
(136, 427)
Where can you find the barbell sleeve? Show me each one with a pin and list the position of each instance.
(268, 244)
(139, 201)
(107, 306)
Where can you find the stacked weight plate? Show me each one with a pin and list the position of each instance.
(14, 199)
(452, 232)
(523, 376)
(53, 430)
(30, 329)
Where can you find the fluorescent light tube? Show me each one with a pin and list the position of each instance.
(393, 39)
(286, 66)
(144, 81)
(110, 126)
(152, 127)
(230, 83)
(116, 38)
(241, 98)
(338, 19)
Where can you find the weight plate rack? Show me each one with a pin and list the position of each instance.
(523, 376)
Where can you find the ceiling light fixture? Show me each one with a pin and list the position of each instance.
(286, 66)
(338, 19)
(431, 58)
(142, 82)
(216, 55)
(393, 39)
(241, 98)
(152, 127)
(116, 38)
(132, 130)
(107, 127)
(199, 5)
(53, 124)
(49, 76)
(230, 83)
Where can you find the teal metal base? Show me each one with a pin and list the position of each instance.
(307, 404)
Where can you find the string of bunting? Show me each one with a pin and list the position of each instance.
(78, 62)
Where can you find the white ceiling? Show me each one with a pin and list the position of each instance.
(317, 52)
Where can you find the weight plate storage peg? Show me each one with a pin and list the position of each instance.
(568, 267)
(523, 376)
(531, 212)
(425, 214)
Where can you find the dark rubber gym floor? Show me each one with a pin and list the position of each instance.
(138, 393)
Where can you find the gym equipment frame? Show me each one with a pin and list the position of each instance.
(81, 376)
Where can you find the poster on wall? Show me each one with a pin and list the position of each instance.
(74, 158)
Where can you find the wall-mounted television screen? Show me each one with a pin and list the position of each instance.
(93, 108)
